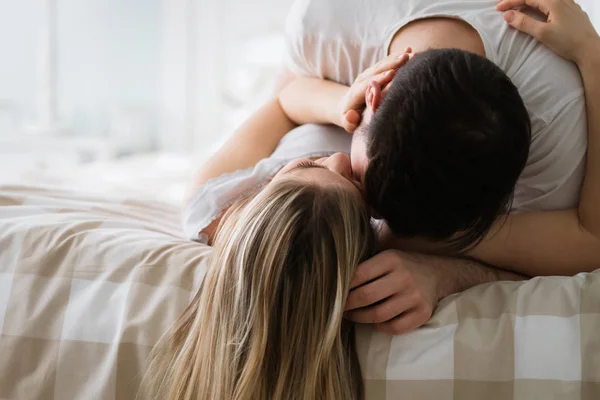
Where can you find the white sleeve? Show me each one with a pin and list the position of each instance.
(214, 197)
(297, 44)
(555, 169)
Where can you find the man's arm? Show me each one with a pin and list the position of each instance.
(545, 243)
(455, 275)
(398, 291)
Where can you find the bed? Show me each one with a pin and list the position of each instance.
(89, 282)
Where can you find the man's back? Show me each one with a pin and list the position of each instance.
(338, 39)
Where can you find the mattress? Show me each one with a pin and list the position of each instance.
(89, 283)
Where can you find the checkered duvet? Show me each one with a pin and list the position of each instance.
(88, 285)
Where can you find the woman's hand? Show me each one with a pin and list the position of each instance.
(352, 104)
(568, 30)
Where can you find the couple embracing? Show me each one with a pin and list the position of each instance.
(414, 149)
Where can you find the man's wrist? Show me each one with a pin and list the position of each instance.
(441, 272)
(454, 275)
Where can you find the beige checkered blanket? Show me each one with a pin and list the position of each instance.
(88, 285)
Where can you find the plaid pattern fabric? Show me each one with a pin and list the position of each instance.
(88, 285)
(507, 340)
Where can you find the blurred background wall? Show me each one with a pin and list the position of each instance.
(172, 75)
(101, 80)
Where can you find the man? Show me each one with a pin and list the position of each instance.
(451, 201)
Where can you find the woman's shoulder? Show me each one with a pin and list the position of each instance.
(213, 198)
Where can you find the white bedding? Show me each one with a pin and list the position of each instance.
(88, 284)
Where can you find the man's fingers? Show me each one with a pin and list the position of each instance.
(524, 23)
(371, 293)
(369, 270)
(542, 5)
(384, 311)
(405, 322)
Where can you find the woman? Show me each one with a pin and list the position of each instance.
(288, 230)
(289, 226)
(267, 321)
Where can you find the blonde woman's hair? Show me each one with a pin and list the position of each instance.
(267, 321)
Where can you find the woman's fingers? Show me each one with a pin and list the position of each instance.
(542, 5)
(393, 61)
(353, 117)
(356, 96)
(524, 23)
(567, 31)
(520, 21)
(381, 73)
(351, 120)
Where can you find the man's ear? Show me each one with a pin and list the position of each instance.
(373, 96)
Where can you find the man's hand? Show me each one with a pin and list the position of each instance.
(399, 291)
(352, 104)
(396, 291)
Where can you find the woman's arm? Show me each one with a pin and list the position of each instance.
(258, 136)
(298, 100)
(561, 242)
(306, 100)
(570, 33)
(313, 100)
(589, 206)
(254, 140)
(323, 95)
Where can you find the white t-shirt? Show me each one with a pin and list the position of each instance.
(338, 39)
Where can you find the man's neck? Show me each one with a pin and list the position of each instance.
(437, 33)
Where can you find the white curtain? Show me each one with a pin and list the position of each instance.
(182, 73)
